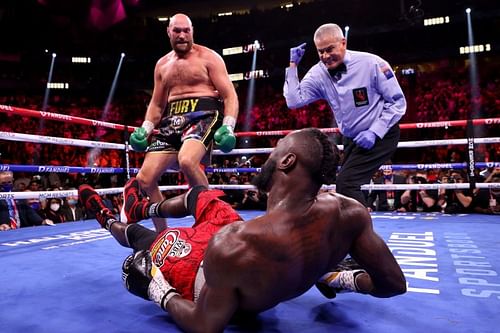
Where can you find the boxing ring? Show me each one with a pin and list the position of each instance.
(67, 277)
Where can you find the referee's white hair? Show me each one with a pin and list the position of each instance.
(330, 29)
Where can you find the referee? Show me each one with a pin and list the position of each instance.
(366, 100)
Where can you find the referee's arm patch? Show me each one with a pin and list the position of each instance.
(386, 70)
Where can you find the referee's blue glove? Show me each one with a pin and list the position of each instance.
(366, 139)
(296, 53)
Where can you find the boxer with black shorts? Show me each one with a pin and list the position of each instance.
(188, 119)
(254, 265)
(193, 102)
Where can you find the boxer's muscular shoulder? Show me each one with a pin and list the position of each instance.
(354, 215)
(203, 50)
(227, 237)
(330, 200)
(228, 242)
(346, 208)
(208, 54)
(226, 251)
(166, 58)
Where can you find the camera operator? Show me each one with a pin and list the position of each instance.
(455, 201)
(487, 200)
(253, 199)
(419, 200)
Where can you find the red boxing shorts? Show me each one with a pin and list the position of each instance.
(179, 251)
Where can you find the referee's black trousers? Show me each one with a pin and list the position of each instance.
(360, 164)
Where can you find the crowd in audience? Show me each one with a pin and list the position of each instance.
(434, 98)
(450, 201)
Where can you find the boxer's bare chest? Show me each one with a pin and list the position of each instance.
(185, 72)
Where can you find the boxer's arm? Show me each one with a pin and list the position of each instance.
(299, 93)
(224, 137)
(220, 79)
(212, 312)
(394, 100)
(384, 278)
(158, 99)
(220, 296)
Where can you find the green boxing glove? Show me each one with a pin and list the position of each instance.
(139, 138)
(224, 137)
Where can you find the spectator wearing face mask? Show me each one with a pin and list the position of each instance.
(386, 200)
(53, 210)
(35, 204)
(71, 210)
(16, 214)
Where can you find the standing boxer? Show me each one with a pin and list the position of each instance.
(192, 97)
(366, 100)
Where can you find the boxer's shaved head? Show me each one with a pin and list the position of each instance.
(180, 33)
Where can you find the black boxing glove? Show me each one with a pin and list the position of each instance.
(136, 273)
(144, 279)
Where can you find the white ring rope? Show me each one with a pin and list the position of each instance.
(403, 144)
(114, 190)
(10, 136)
(22, 137)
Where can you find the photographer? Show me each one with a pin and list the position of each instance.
(455, 201)
(419, 200)
(487, 200)
(253, 199)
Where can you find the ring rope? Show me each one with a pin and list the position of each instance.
(432, 124)
(85, 121)
(72, 169)
(402, 144)
(62, 117)
(114, 190)
(11, 136)
(64, 169)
